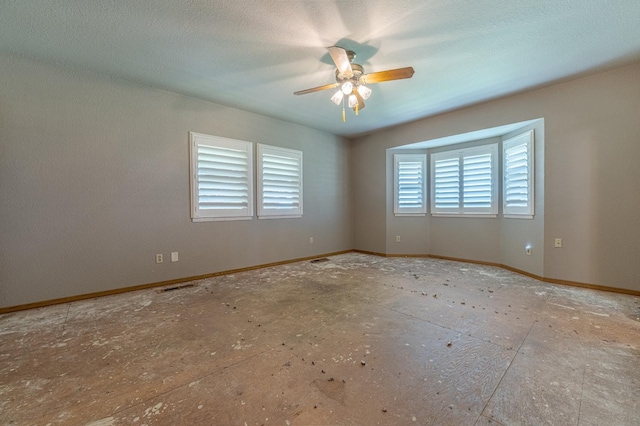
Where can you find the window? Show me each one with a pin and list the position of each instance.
(221, 178)
(517, 188)
(410, 184)
(464, 182)
(279, 182)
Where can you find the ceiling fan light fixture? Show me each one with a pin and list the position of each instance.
(337, 97)
(351, 80)
(364, 91)
(353, 101)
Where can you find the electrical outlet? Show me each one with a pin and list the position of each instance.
(174, 256)
(310, 240)
(159, 258)
(558, 243)
(397, 238)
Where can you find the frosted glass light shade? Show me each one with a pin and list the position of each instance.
(364, 91)
(353, 101)
(347, 87)
(337, 97)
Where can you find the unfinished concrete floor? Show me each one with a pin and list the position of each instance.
(354, 340)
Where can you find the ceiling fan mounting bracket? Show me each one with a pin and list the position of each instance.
(351, 55)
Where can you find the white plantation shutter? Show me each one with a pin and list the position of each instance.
(516, 176)
(478, 181)
(446, 180)
(517, 189)
(464, 181)
(279, 182)
(222, 178)
(410, 184)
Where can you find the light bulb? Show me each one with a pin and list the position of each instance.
(347, 87)
(353, 101)
(364, 91)
(337, 97)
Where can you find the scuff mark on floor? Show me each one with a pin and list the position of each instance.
(107, 421)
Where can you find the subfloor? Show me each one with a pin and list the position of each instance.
(352, 340)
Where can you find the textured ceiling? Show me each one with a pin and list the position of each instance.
(254, 54)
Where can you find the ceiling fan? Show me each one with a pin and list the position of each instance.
(351, 80)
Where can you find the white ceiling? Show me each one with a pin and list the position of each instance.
(253, 54)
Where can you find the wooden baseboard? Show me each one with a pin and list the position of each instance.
(521, 272)
(372, 253)
(302, 259)
(408, 255)
(525, 273)
(156, 284)
(455, 259)
(593, 286)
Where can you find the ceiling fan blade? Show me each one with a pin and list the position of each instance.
(341, 59)
(378, 77)
(316, 89)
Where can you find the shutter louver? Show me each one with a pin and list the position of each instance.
(517, 187)
(516, 176)
(447, 183)
(478, 181)
(465, 181)
(222, 178)
(410, 184)
(279, 182)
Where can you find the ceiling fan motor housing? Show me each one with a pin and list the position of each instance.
(357, 70)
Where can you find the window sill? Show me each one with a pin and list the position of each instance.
(219, 219)
(281, 217)
(467, 215)
(518, 216)
(409, 214)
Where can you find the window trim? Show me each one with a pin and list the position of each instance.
(200, 215)
(461, 210)
(289, 154)
(398, 210)
(527, 138)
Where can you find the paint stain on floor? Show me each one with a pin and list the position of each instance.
(346, 339)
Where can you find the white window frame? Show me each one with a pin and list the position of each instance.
(526, 141)
(290, 193)
(460, 155)
(417, 189)
(242, 210)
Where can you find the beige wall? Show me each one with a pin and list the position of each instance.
(414, 231)
(591, 179)
(94, 180)
(495, 240)
(516, 234)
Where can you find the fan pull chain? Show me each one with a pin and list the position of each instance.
(344, 115)
(357, 105)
